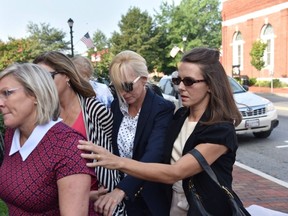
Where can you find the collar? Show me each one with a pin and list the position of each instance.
(31, 143)
(124, 108)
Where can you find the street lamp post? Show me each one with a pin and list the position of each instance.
(70, 23)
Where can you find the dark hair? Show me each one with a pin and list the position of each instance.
(222, 105)
(63, 64)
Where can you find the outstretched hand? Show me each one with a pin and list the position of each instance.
(100, 156)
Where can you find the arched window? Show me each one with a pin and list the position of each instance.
(238, 49)
(267, 36)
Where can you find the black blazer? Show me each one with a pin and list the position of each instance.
(149, 146)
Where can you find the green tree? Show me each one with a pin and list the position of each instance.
(163, 19)
(257, 53)
(101, 68)
(100, 40)
(139, 33)
(199, 21)
(16, 50)
(42, 38)
(46, 38)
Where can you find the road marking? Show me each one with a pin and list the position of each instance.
(282, 146)
(281, 108)
(264, 175)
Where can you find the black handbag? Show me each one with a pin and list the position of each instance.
(194, 200)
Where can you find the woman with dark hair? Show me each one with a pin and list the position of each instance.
(82, 111)
(205, 123)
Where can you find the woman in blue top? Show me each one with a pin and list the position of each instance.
(140, 119)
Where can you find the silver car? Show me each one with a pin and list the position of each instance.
(259, 115)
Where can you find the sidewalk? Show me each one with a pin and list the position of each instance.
(277, 91)
(256, 188)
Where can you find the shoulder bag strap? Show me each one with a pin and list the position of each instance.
(236, 209)
(205, 166)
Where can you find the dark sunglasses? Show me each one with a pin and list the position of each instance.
(128, 87)
(53, 73)
(187, 81)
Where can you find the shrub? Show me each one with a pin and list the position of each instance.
(263, 83)
(267, 83)
(3, 209)
(252, 81)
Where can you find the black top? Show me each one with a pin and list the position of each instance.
(223, 133)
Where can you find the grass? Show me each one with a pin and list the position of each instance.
(3, 209)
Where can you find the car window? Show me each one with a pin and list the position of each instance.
(236, 87)
(168, 88)
(162, 83)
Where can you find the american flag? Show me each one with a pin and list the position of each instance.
(87, 41)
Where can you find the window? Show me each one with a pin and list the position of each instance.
(267, 36)
(238, 49)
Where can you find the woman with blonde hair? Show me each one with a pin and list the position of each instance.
(141, 118)
(42, 172)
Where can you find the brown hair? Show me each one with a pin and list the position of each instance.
(63, 64)
(84, 66)
(221, 104)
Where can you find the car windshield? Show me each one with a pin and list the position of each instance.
(167, 86)
(236, 87)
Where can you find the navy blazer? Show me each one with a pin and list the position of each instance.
(149, 146)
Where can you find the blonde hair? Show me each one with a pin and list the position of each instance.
(122, 63)
(38, 83)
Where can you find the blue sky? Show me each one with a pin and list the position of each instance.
(88, 16)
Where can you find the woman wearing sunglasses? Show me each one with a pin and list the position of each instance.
(141, 118)
(82, 111)
(206, 123)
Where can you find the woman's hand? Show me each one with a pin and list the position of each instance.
(95, 194)
(100, 155)
(107, 203)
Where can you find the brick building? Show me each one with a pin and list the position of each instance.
(246, 21)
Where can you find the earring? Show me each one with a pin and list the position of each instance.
(68, 83)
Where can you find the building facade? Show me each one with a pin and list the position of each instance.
(247, 21)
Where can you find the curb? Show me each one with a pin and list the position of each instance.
(259, 173)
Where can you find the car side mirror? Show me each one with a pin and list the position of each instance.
(246, 87)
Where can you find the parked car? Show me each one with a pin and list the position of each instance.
(169, 91)
(259, 115)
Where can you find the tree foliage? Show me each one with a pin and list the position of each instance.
(257, 53)
(152, 37)
(47, 38)
(100, 40)
(138, 33)
(199, 21)
(42, 38)
(16, 50)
